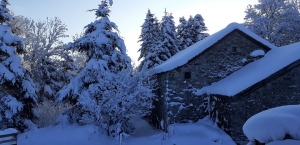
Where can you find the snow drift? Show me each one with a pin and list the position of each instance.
(274, 124)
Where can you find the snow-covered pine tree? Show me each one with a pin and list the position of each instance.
(199, 28)
(190, 28)
(169, 35)
(101, 41)
(183, 34)
(150, 43)
(106, 91)
(276, 21)
(17, 92)
(196, 29)
(4, 12)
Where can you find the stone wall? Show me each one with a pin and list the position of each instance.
(215, 63)
(283, 90)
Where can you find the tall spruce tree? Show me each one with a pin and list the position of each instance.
(106, 52)
(199, 28)
(17, 92)
(183, 34)
(196, 29)
(150, 53)
(106, 92)
(191, 28)
(169, 35)
(277, 21)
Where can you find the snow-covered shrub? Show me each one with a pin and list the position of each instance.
(274, 124)
(47, 112)
(111, 99)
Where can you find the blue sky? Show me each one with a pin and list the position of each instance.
(129, 15)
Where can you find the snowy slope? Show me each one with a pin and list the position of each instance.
(187, 54)
(256, 71)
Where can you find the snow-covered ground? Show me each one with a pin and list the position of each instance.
(204, 132)
(285, 142)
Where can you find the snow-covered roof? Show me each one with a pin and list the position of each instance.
(275, 60)
(189, 53)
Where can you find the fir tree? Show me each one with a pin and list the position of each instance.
(276, 21)
(101, 41)
(196, 29)
(106, 51)
(183, 34)
(169, 36)
(199, 29)
(106, 91)
(191, 28)
(150, 40)
(17, 92)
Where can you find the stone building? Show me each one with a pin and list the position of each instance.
(203, 63)
(269, 82)
(228, 77)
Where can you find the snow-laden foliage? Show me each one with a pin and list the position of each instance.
(198, 29)
(169, 34)
(108, 99)
(17, 92)
(101, 40)
(169, 42)
(191, 31)
(45, 56)
(150, 53)
(276, 21)
(4, 12)
(159, 41)
(106, 92)
(183, 34)
(20, 25)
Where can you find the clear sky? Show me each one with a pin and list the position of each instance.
(129, 15)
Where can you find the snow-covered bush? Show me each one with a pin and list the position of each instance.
(274, 124)
(47, 112)
(113, 100)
